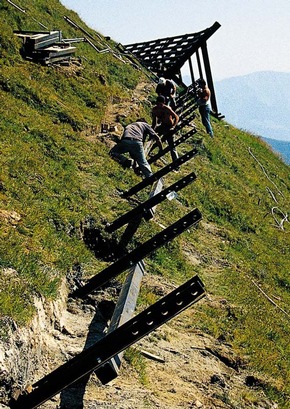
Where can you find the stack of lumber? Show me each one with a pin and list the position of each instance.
(46, 47)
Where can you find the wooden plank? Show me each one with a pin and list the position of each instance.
(41, 40)
(55, 51)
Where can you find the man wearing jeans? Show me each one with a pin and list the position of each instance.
(164, 121)
(203, 94)
(132, 142)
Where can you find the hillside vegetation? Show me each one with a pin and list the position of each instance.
(56, 175)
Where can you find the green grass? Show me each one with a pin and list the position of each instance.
(53, 178)
(137, 361)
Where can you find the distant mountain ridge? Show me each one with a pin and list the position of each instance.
(281, 147)
(259, 103)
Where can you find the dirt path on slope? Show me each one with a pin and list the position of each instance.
(185, 369)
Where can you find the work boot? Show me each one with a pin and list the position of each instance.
(128, 163)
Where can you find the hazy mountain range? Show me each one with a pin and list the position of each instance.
(259, 103)
(282, 147)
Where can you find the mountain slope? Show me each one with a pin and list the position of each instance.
(59, 188)
(281, 147)
(258, 103)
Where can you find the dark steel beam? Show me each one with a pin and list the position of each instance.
(126, 335)
(191, 70)
(133, 224)
(127, 300)
(166, 56)
(181, 139)
(160, 173)
(187, 101)
(130, 230)
(139, 253)
(75, 25)
(144, 207)
(209, 78)
(199, 64)
(129, 294)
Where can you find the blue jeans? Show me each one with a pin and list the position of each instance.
(204, 111)
(136, 150)
(168, 135)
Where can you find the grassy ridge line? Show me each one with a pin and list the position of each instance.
(53, 177)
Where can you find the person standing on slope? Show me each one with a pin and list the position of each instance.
(164, 121)
(203, 95)
(167, 89)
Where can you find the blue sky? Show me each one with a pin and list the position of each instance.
(254, 34)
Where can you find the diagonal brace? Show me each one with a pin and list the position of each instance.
(137, 254)
(126, 335)
(160, 173)
(178, 141)
(149, 203)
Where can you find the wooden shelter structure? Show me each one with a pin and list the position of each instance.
(166, 56)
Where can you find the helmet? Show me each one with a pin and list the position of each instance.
(162, 80)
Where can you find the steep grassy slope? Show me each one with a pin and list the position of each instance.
(49, 174)
(56, 174)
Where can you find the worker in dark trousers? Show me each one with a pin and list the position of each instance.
(132, 142)
(203, 95)
(164, 121)
(167, 89)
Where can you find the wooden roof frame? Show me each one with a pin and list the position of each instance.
(166, 56)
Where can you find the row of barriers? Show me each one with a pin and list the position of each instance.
(105, 356)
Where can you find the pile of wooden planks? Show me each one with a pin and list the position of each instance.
(45, 47)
